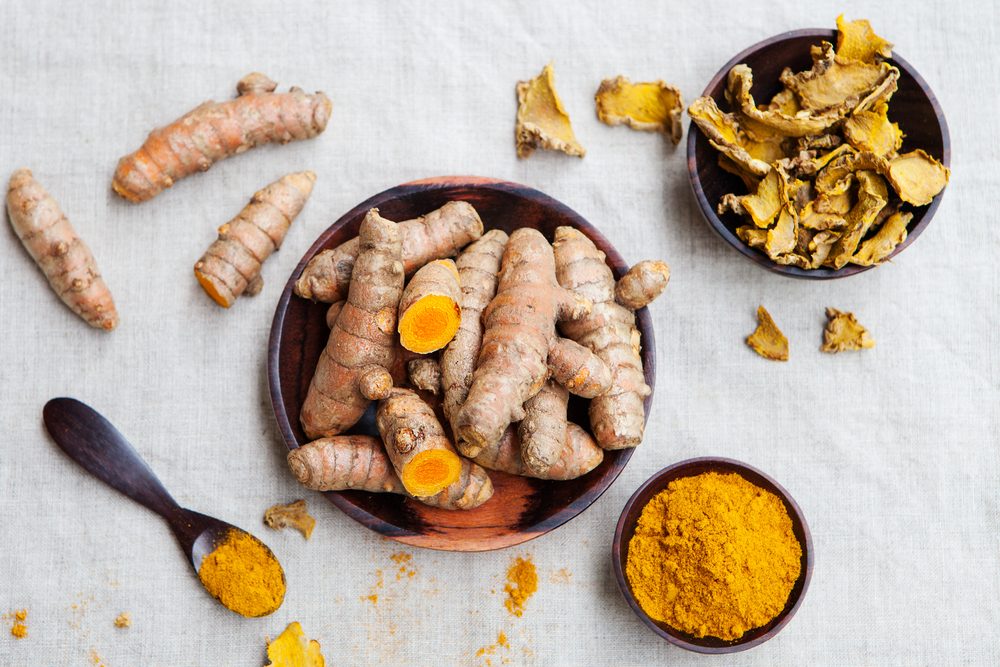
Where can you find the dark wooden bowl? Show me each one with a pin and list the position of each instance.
(626, 529)
(913, 106)
(521, 508)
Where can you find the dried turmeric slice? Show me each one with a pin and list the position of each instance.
(762, 206)
(767, 339)
(724, 135)
(917, 177)
(877, 249)
(542, 122)
(857, 41)
(290, 515)
(871, 131)
(650, 106)
(872, 198)
(844, 332)
(293, 649)
(835, 82)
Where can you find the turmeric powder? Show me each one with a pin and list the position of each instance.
(713, 555)
(20, 629)
(243, 575)
(522, 582)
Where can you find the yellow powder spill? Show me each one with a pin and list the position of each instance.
(123, 620)
(405, 561)
(522, 582)
(20, 629)
(490, 650)
(96, 659)
(373, 595)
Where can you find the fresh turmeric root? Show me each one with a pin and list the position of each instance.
(62, 256)
(359, 462)
(478, 266)
(543, 429)
(214, 131)
(429, 311)
(231, 265)
(520, 342)
(642, 284)
(578, 455)
(425, 374)
(355, 366)
(420, 452)
(617, 417)
(437, 235)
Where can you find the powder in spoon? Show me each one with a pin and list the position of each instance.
(244, 575)
(713, 555)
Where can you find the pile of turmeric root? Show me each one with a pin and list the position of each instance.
(471, 360)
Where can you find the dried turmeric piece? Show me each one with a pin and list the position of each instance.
(844, 332)
(762, 206)
(856, 40)
(429, 311)
(725, 136)
(917, 177)
(891, 233)
(293, 649)
(767, 340)
(872, 197)
(873, 132)
(542, 121)
(522, 582)
(835, 82)
(650, 106)
(214, 131)
(290, 515)
(123, 620)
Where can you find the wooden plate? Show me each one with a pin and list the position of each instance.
(913, 106)
(521, 508)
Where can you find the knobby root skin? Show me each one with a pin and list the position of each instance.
(429, 311)
(437, 235)
(578, 369)
(543, 429)
(333, 312)
(214, 131)
(62, 256)
(360, 463)
(425, 374)
(361, 353)
(231, 265)
(617, 417)
(420, 452)
(478, 268)
(519, 333)
(578, 455)
(642, 284)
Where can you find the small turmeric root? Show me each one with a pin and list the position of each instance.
(644, 282)
(437, 235)
(578, 456)
(651, 107)
(429, 313)
(425, 374)
(478, 266)
(519, 342)
(62, 256)
(617, 417)
(420, 452)
(360, 462)
(214, 131)
(355, 366)
(231, 265)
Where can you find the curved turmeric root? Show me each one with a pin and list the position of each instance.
(62, 256)
(231, 265)
(543, 429)
(429, 313)
(419, 450)
(356, 364)
(644, 282)
(437, 235)
(359, 462)
(214, 131)
(578, 455)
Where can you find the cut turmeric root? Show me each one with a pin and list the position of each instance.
(232, 264)
(437, 235)
(419, 450)
(429, 314)
(62, 256)
(359, 462)
(214, 131)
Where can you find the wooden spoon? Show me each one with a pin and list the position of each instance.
(94, 443)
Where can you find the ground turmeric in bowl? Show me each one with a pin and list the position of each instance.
(713, 555)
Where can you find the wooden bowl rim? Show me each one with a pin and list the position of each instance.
(612, 257)
(708, 210)
(658, 481)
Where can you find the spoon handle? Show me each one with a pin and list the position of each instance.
(94, 443)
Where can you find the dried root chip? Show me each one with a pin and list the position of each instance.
(293, 649)
(724, 135)
(917, 177)
(762, 206)
(767, 340)
(835, 82)
(871, 131)
(844, 332)
(293, 515)
(542, 122)
(872, 198)
(768, 122)
(857, 41)
(782, 237)
(877, 249)
(838, 176)
(652, 106)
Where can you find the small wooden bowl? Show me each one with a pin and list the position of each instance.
(913, 106)
(626, 529)
(521, 508)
